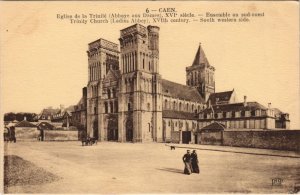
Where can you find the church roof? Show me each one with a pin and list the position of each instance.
(178, 115)
(48, 112)
(200, 58)
(234, 107)
(220, 97)
(180, 91)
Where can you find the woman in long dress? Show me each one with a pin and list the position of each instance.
(187, 163)
(195, 162)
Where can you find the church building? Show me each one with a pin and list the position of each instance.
(129, 101)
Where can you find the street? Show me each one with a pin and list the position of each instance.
(110, 167)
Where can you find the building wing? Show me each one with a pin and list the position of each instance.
(180, 91)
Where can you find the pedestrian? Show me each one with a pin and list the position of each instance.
(195, 162)
(187, 163)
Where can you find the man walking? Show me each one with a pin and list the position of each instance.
(187, 163)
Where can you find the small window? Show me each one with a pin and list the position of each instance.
(224, 114)
(216, 115)
(243, 113)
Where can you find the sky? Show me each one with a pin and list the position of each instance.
(44, 61)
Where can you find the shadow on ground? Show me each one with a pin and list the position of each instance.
(172, 170)
(20, 172)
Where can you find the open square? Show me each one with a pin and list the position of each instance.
(111, 167)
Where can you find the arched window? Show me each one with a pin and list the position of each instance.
(224, 114)
(106, 107)
(166, 104)
(111, 107)
(233, 114)
(149, 66)
(192, 107)
(179, 106)
(114, 93)
(108, 93)
(252, 112)
(116, 106)
(187, 107)
(129, 106)
(148, 106)
(143, 63)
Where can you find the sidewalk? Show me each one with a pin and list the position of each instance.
(250, 151)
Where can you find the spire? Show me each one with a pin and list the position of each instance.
(200, 57)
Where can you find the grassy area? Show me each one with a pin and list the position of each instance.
(19, 172)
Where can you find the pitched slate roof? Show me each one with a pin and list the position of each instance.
(234, 107)
(24, 124)
(178, 115)
(45, 126)
(200, 58)
(180, 91)
(214, 126)
(220, 97)
(48, 112)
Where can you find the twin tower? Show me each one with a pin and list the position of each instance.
(124, 100)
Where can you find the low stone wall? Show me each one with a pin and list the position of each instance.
(27, 134)
(211, 138)
(60, 135)
(175, 137)
(268, 139)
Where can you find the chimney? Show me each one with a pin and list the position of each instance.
(269, 105)
(245, 101)
(61, 107)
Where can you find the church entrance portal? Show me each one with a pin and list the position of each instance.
(186, 137)
(112, 130)
(129, 131)
(95, 129)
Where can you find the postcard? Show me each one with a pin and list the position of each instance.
(143, 97)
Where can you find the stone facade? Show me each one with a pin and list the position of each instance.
(127, 95)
